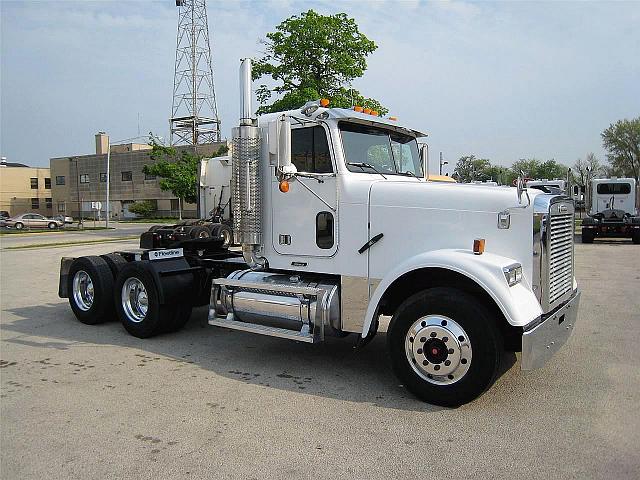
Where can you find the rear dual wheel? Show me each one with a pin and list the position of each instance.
(137, 303)
(90, 289)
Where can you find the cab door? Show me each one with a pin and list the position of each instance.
(304, 219)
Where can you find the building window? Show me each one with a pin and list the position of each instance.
(35, 203)
(49, 202)
(34, 183)
(47, 183)
(60, 180)
(149, 177)
(61, 207)
(175, 205)
(84, 178)
(127, 176)
(103, 178)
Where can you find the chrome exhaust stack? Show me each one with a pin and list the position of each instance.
(245, 177)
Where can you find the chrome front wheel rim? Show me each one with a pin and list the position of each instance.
(83, 292)
(135, 301)
(438, 349)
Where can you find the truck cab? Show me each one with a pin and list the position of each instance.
(613, 211)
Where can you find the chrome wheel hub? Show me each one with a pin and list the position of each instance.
(135, 301)
(82, 290)
(438, 349)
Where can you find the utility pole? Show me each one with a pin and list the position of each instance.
(194, 113)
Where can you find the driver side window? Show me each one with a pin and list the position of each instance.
(310, 150)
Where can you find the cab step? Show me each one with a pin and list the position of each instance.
(302, 336)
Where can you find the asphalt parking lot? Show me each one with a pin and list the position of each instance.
(83, 401)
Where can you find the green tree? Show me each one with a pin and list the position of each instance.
(622, 142)
(312, 56)
(178, 171)
(469, 169)
(537, 169)
(145, 208)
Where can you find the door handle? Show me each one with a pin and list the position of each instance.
(370, 243)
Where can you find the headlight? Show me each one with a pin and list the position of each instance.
(513, 274)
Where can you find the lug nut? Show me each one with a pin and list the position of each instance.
(461, 338)
(464, 360)
(447, 362)
(411, 339)
(433, 334)
(425, 363)
(422, 339)
(445, 339)
(436, 367)
(419, 351)
(450, 351)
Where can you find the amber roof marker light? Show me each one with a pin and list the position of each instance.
(478, 246)
(324, 102)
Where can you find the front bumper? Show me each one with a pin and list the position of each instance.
(544, 339)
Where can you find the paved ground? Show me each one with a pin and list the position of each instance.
(92, 402)
(119, 230)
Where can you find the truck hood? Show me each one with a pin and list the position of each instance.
(416, 217)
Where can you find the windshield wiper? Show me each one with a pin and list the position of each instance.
(367, 165)
(409, 173)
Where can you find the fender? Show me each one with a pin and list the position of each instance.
(518, 304)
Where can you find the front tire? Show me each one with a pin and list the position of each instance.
(445, 346)
(52, 226)
(19, 226)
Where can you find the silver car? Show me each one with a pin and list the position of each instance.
(33, 220)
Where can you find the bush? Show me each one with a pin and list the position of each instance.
(144, 208)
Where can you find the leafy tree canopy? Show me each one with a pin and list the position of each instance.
(177, 170)
(622, 142)
(469, 169)
(312, 56)
(538, 169)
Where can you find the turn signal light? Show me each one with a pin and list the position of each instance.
(358, 108)
(478, 246)
(284, 186)
(367, 111)
(324, 102)
(393, 119)
(374, 113)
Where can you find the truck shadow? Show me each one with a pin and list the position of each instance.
(332, 369)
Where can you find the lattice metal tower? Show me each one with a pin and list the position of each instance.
(194, 114)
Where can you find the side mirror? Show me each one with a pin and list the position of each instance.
(520, 186)
(280, 146)
(424, 158)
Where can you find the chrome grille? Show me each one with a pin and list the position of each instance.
(560, 256)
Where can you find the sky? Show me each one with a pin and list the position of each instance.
(499, 80)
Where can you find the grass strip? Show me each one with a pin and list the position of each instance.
(66, 244)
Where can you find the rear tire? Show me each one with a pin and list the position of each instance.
(90, 287)
(52, 226)
(635, 237)
(137, 302)
(199, 232)
(115, 263)
(587, 235)
(445, 346)
(224, 232)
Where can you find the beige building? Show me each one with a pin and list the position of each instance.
(79, 181)
(25, 189)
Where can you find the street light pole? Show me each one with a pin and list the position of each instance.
(107, 211)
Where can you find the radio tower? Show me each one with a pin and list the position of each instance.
(194, 114)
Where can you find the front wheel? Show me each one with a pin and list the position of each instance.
(445, 346)
(52, 226)
(19, 226)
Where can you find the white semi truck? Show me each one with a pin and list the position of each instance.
(613, 211)
(338, 227)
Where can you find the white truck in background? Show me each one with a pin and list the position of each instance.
(338, 227)
(613, 211)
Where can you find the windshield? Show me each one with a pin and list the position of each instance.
(386, 151)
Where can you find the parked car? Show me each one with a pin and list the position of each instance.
(66, 219)
(4, 214)
(33, 220)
